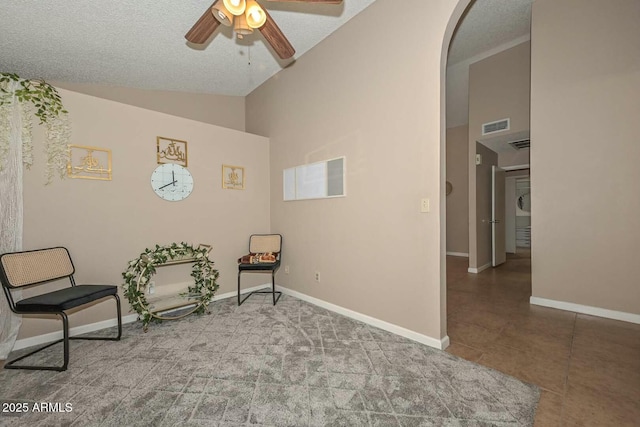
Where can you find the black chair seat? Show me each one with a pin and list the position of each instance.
(260, 266)
(64, 299)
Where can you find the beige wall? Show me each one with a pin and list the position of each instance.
(499, 88)
(220, 110)
(458, 95)
(513, 158)
(458, 200)
(375, 97)
(107, 223)
(585, 152)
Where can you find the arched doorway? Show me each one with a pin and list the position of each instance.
(471, 62)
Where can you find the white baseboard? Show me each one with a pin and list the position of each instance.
(460, 254)
(586, 309)
(479, 269)
(440, 344)
(234, 294)
(92, 327)
(83, 329)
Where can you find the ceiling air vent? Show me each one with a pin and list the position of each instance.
(496, 126)
(519, 145)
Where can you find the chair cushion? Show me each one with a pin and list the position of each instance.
(64, 299)
(259, 258)
(260, 266)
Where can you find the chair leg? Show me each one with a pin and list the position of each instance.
(273, 287)
(119, 309)
(65, 340)
(240, 299)
(273, 291)
(65, 332)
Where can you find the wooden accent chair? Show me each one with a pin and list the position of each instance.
(37, 267)
(264, 257)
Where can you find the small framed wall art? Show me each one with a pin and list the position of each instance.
(232, 177)
(171, 150)
(89, 163)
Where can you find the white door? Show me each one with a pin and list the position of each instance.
(498, 250)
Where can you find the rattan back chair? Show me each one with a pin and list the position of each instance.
(32, 269)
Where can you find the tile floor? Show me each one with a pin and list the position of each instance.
(587, 367)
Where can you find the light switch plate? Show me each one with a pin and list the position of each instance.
(424, 205)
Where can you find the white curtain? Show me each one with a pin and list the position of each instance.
(10, 212)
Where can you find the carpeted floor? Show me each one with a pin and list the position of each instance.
(290, 365)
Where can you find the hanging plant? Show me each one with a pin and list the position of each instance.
(40, 99)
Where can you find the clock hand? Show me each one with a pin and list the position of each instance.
(173, 177)
(166, 185)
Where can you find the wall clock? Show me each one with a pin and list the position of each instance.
(172, 182)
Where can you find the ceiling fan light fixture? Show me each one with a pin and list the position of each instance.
(222, 14)
(236, 7)
(255, 15)
(240, 26)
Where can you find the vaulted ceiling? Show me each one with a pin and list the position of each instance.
(141, 44)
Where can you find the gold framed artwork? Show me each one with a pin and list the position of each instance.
(171, 150)
(89, 163)
(232, 177)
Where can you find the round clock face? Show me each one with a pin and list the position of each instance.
(172, 182)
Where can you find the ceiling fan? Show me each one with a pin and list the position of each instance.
(245, 16)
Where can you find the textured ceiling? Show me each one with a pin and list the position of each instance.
(488, 24)
(140, 43)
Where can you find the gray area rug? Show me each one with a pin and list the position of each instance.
(294, 364)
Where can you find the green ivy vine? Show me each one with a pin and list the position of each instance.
(44, 97)
(139, 271)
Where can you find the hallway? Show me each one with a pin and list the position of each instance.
(587, 367)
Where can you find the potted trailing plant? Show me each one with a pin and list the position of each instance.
(40, 99)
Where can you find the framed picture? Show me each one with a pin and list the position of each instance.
(232, 177)
(171, 151)
(89, 163)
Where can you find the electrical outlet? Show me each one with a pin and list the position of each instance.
(318, 276)
(286, 269)
(152, 287)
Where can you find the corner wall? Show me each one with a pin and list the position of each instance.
(585, 152)
(375, 97)
(458, 200)
(105, 224)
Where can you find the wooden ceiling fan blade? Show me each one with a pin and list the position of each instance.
(274, 36)
(202, 30)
